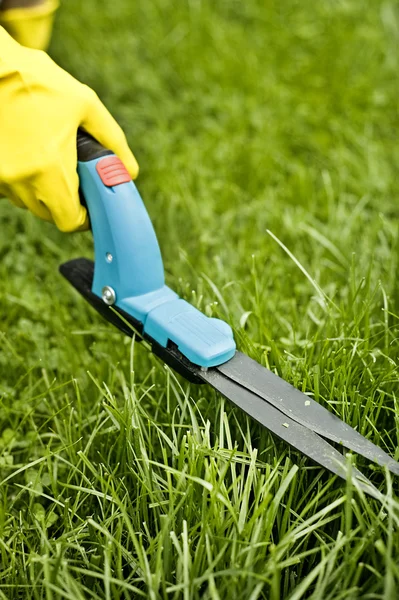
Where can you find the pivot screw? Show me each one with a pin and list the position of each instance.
(108, 295)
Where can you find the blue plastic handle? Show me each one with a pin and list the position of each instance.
(127, 253)
(128, 261)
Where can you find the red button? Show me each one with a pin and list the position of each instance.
(112, 171)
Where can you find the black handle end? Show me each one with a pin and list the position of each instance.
(89, 148)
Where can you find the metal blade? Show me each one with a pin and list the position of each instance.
(302, 409)
(300, 437)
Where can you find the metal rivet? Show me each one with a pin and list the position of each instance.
(108, 257)
(108, 295)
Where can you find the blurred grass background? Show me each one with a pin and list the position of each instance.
(244, 117)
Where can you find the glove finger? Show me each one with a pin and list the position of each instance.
(103, 127)
(56, 192)
(7, 194)
(59, 193)
(51, 200)
(16, 201)
(53, 194)
(24, 196)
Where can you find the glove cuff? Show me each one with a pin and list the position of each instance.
(31, 26)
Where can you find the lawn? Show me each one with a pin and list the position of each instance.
(266, 133)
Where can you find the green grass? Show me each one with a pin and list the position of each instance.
(119, 480)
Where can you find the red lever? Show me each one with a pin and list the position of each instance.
(112, 171)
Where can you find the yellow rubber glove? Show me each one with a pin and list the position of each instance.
(30, 26)
(41, 108)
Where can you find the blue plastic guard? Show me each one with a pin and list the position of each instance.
(128, 259)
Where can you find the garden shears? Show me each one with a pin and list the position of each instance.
(126, 285)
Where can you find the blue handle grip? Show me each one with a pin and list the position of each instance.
(127, 254)
(128, 269)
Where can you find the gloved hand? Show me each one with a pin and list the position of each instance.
(31, 26)
(42, 107)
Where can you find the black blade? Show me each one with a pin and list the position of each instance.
(79, 272)
(300, 437)
(302, 409)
